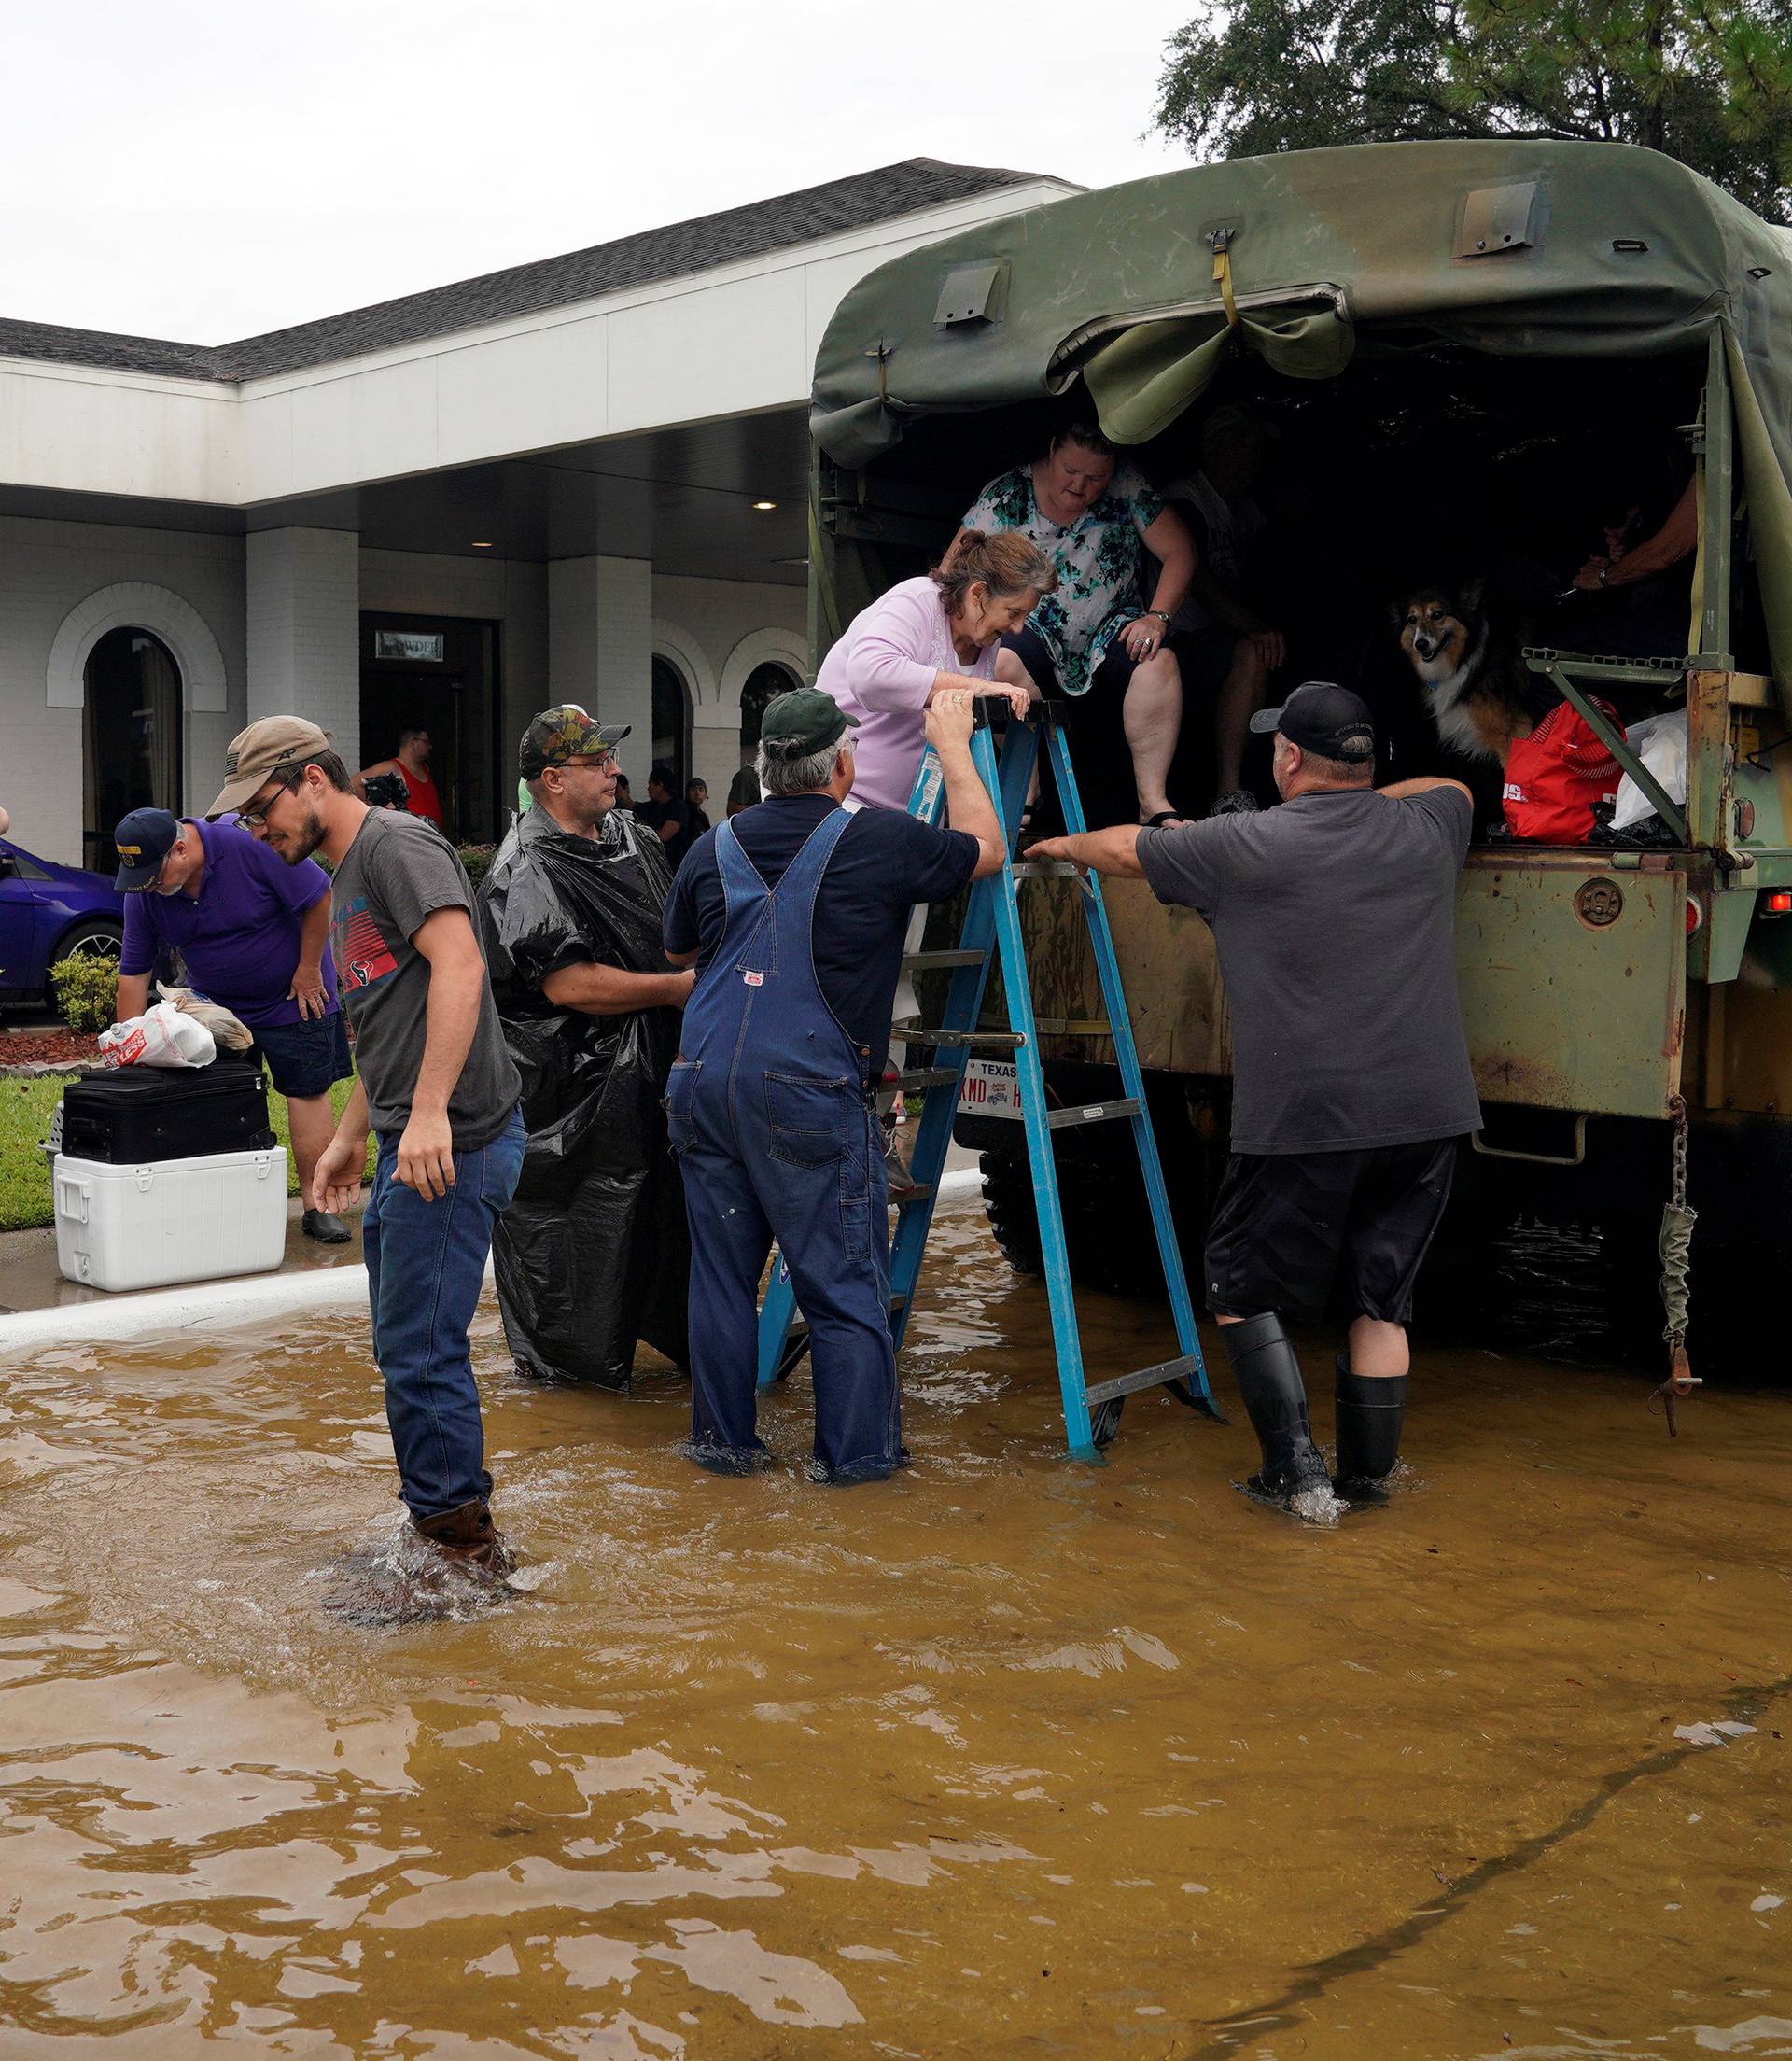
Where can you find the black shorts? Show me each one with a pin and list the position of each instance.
(1111, 676)
(1285, 1229)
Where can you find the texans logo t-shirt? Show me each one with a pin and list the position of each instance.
(398, 870)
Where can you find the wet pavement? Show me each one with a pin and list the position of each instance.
(30, 1278)
(1005, 1757)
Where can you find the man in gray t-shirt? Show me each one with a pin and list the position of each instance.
(1333, 917)
(437, 1086)
(397, 873)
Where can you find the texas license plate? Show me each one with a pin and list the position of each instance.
(991, 1088)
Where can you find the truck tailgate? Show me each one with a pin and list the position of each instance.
(1572, 974)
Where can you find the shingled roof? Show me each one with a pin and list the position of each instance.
(654, 254)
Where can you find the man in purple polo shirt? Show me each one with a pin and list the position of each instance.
(252, 931)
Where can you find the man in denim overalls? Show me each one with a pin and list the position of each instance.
(794, 914)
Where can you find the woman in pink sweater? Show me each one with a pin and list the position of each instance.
(926, 636)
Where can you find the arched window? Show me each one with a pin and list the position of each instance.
(132, 736)
(671, 725)
(762, 685)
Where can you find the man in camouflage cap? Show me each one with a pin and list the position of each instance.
(570, 915)
(558, 734)
(562, 734)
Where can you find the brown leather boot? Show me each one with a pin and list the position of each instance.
(469, 1534)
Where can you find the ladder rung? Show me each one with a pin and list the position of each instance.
(1092, 1113)
(913, 960)
(912, 1191)
(1046, 869)
(1073, 1026)
(915, 1077)
(1187, 1369)
(1005, 1041)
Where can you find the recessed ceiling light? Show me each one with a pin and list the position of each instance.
(483, 547)
(764, 504)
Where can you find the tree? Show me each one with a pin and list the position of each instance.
(1709, 84)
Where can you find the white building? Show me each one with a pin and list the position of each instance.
(580, 480)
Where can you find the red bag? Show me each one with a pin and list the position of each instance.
(1554, 776)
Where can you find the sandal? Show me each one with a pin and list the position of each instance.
(1163, 816)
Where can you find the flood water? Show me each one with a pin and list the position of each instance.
(1005, 1757)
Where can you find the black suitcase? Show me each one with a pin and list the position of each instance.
(141, 1114)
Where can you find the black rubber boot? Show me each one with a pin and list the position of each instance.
(1369, 1414)
(1275, 1399)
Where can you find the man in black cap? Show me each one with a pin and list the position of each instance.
(1334, 916)
(591, 1255)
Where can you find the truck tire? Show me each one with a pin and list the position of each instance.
(1108, 1230)
(1008, 1203)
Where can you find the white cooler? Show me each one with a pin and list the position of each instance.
(173, 1221)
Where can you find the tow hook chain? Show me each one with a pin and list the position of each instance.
(1677, 1252)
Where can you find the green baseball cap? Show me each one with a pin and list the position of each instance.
(803, 721)
(562, 733)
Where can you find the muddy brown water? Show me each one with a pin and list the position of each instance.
(1007, 1757)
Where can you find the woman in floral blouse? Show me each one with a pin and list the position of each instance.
(1095, 518)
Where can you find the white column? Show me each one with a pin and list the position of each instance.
(600, 648)
(714, 750)
(304, 628)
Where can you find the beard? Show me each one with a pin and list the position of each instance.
(297, 846)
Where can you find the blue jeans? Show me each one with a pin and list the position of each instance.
(426, 1265)
(803, 1162)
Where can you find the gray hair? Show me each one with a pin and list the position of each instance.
(808, 775)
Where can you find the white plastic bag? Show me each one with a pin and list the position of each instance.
(1660, 743)
(161, 1036)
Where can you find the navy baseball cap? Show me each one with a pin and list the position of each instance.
(144, 838)
(1323, 717)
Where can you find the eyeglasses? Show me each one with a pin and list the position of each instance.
(257, 819)
(601, 764)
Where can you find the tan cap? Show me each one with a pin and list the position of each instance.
(262, 750)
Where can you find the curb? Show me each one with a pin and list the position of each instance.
(215, 1305)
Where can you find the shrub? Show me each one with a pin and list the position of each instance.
(85, 989)
(476, 859)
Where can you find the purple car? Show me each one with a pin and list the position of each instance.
(48, 911)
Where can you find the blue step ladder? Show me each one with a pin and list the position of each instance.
(992, 931)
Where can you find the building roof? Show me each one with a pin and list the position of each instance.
(655, 254)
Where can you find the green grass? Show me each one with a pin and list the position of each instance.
(26, 1108)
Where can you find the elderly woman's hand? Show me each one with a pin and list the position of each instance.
(1141, 637)
(1020, 699)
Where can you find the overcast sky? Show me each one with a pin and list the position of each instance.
(207, 172)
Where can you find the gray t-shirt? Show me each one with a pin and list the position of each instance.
(1333, 915)
(400, 870)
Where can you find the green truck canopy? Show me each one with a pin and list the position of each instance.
(1535, 248)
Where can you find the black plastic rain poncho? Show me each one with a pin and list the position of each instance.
(594, 1252)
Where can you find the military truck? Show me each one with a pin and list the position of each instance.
(1449, 338)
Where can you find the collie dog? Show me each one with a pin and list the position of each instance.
(1470, 663)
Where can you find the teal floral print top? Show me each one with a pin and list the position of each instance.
(1097, 560)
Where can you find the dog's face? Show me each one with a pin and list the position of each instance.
(1435, 630)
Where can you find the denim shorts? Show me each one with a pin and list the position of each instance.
(304, 1058)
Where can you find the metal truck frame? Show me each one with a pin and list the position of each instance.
(1604, 989)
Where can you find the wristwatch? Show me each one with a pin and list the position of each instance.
(1158, 614)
